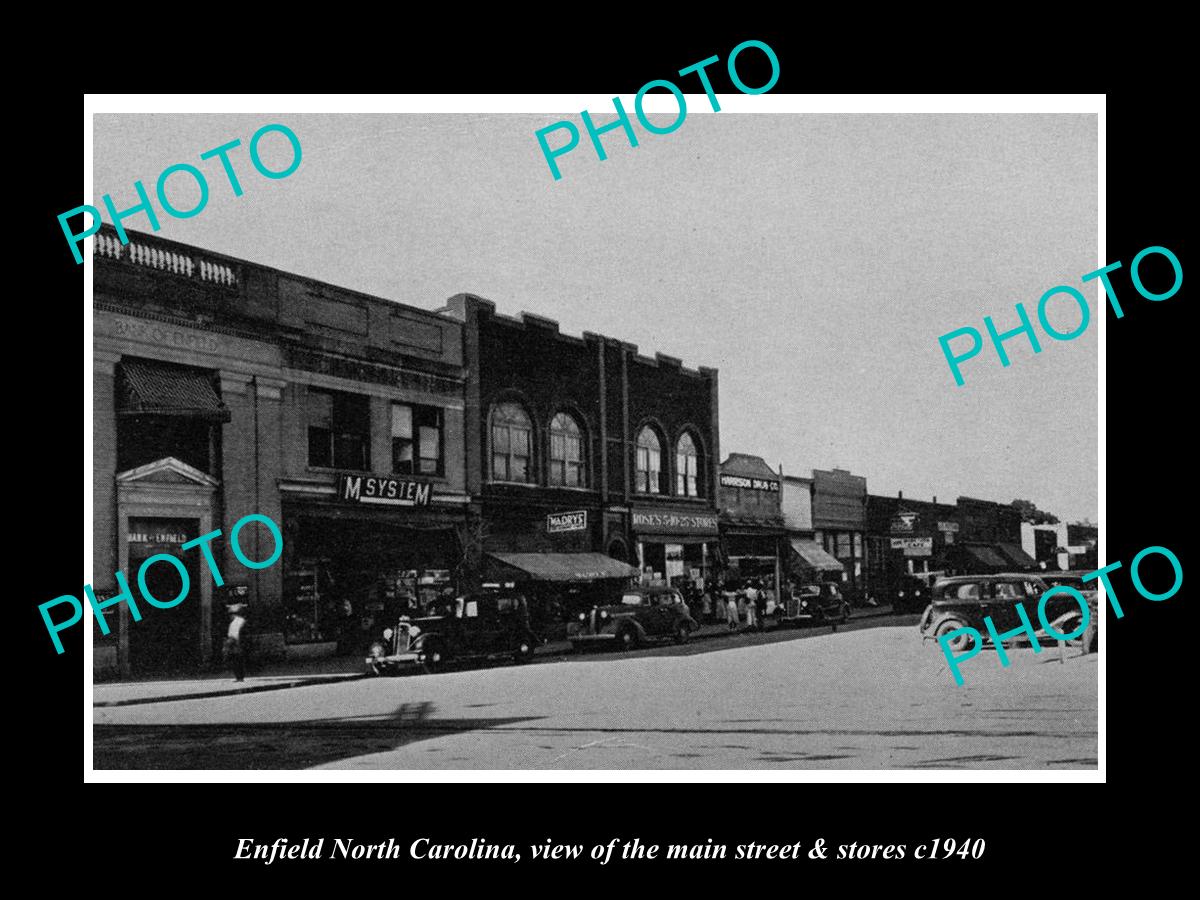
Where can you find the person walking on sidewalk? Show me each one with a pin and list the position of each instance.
(751, 605)
(235, 654)
(731, 608)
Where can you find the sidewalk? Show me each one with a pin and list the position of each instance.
(272, 676)
(324, 670)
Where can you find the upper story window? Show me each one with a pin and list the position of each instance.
(566, 452)
(416, 440)
(512, 443)
(687, 465)
(648, 474)
(339, 430)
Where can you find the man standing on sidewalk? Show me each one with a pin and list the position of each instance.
(234, 653)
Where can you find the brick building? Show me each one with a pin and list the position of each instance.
(223, 388)
(580, 449)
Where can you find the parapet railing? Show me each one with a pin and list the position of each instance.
(152, 253)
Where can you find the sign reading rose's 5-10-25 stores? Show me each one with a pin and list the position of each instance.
(383, 489)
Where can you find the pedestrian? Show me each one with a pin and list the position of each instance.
(235, 655)
(731, 608)
(751, 605)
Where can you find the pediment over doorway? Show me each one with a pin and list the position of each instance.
(167, 470)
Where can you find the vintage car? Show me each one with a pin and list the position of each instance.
(472, 627)
(817, 604)
(910, 594)
(963, 601)
(1091, 591)
(643, 613)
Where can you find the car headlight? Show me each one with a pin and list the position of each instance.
(583, 617)
(387, 634)
(803, 604)
(901, 593)
(604, 614)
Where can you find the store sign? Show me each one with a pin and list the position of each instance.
(567, 521)
(674, 523)
(904, 521)
(156, 537)
(383, 490)
(752, 484)
(921, 546)
(947, 526)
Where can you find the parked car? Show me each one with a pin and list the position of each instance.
(472, 627)
(910, 594)
(819, 604)
(1071, 579)
(1091, 591)
(963, 601)
(643, 613)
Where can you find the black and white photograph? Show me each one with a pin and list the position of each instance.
(424, 441)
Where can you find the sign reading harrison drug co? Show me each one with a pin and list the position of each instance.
(383, 489)
(751, 484)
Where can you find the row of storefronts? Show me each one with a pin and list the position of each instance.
(407, 454)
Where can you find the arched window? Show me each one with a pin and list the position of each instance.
(687, 467)
(512, 443)
(648, 477)
(566, 452)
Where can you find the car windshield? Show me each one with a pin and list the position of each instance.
(632, 600)
(834, 592)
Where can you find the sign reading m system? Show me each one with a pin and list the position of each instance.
(383, 489)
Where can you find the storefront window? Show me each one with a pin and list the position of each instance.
(339, 427)
(512, 435)
(649, 463)
(566, 452)
(686, 465)
(416, 440)
(843, 545)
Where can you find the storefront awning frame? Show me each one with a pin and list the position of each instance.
(567, 568)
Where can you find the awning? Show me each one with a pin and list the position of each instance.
(815, 557)
(1016, 556)
(567, 567)
(677, 538)
(169, 390)
(985, 556)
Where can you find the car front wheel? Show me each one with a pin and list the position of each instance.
(627, 638)
(960, 642)
(523, 652)
(433, 656)
(682, 633)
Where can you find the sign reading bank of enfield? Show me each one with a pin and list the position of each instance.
(384, 490)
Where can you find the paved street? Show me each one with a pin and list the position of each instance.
(869, 698)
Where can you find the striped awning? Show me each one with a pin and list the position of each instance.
(814, 557)
(163, 389)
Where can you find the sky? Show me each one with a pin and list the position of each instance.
(814, 259)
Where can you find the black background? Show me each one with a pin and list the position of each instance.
(139, 837)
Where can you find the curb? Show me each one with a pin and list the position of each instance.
(232, 692)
